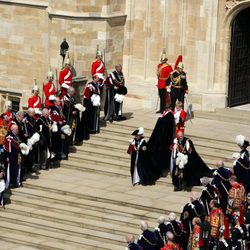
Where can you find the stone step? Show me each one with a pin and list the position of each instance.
(90, 213)
(61, 224)
(106, 157)
(117, 147)
(110, 210)
(123, 172)
(114, 198)
(233, 112)
(122, 129)
(10, 244)
(224, 116)
(120, 152)
(95, 159)
(50, 239)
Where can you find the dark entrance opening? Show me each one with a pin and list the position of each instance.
(239, 73)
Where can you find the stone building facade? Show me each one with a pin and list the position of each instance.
(132, 32)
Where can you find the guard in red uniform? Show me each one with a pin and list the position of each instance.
(9, 113)
(35, 102)
(163, 72)
(98, 67)
(180, 117)
(49, 91)
(65, 77)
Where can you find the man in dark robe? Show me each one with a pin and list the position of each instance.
(44, 152)
(29, 129)
(161, 231)
(221, 181)
(147, 240)
(59, 143)
(115, 93)
(176, 228)
(135, 149)
(191, 210)
(241, 163)
(187, 167)
(208, 193)
(130, 239)
(90, 122)
(12, 158)
(72, 117)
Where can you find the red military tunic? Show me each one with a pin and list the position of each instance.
(35, 102)
(163, 72)
(49, 89)
(98, 68)
(65, 80)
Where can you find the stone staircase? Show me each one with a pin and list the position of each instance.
(227, 115)
(89, 202)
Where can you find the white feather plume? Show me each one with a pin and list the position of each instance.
(119, 98)
(96, 100)
(181, 160)
(54, 127)
(240, 140)
(32, 140)
(66, 130)
(79, 107)
(24, 148)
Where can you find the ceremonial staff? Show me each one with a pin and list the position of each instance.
(57, 84)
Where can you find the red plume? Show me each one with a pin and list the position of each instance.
(179, 59)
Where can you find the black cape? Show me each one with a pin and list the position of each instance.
(156, 159)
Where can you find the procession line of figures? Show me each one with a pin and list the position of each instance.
(218, 219)
(40, 138)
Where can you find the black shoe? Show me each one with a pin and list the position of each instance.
(158, 112)
(176, 189)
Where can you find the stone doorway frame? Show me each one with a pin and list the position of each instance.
(233, 8)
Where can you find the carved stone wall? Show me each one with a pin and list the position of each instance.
(31, 33)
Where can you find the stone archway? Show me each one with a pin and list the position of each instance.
(238, 36)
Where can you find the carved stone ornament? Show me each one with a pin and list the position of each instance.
(230, 4)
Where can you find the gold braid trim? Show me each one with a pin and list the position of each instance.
(178, 235)
(224, 179)
(175, 80)
(198, 215)
(209, 194)
(150, 243)
(243, 165)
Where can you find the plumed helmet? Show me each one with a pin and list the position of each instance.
(67, 59)
(164, 55)
(180, 65)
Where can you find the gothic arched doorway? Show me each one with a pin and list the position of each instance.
(239, 72)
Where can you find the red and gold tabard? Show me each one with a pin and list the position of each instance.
(236, 198)
(195, 241)
(216, 219)
(171, 246)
